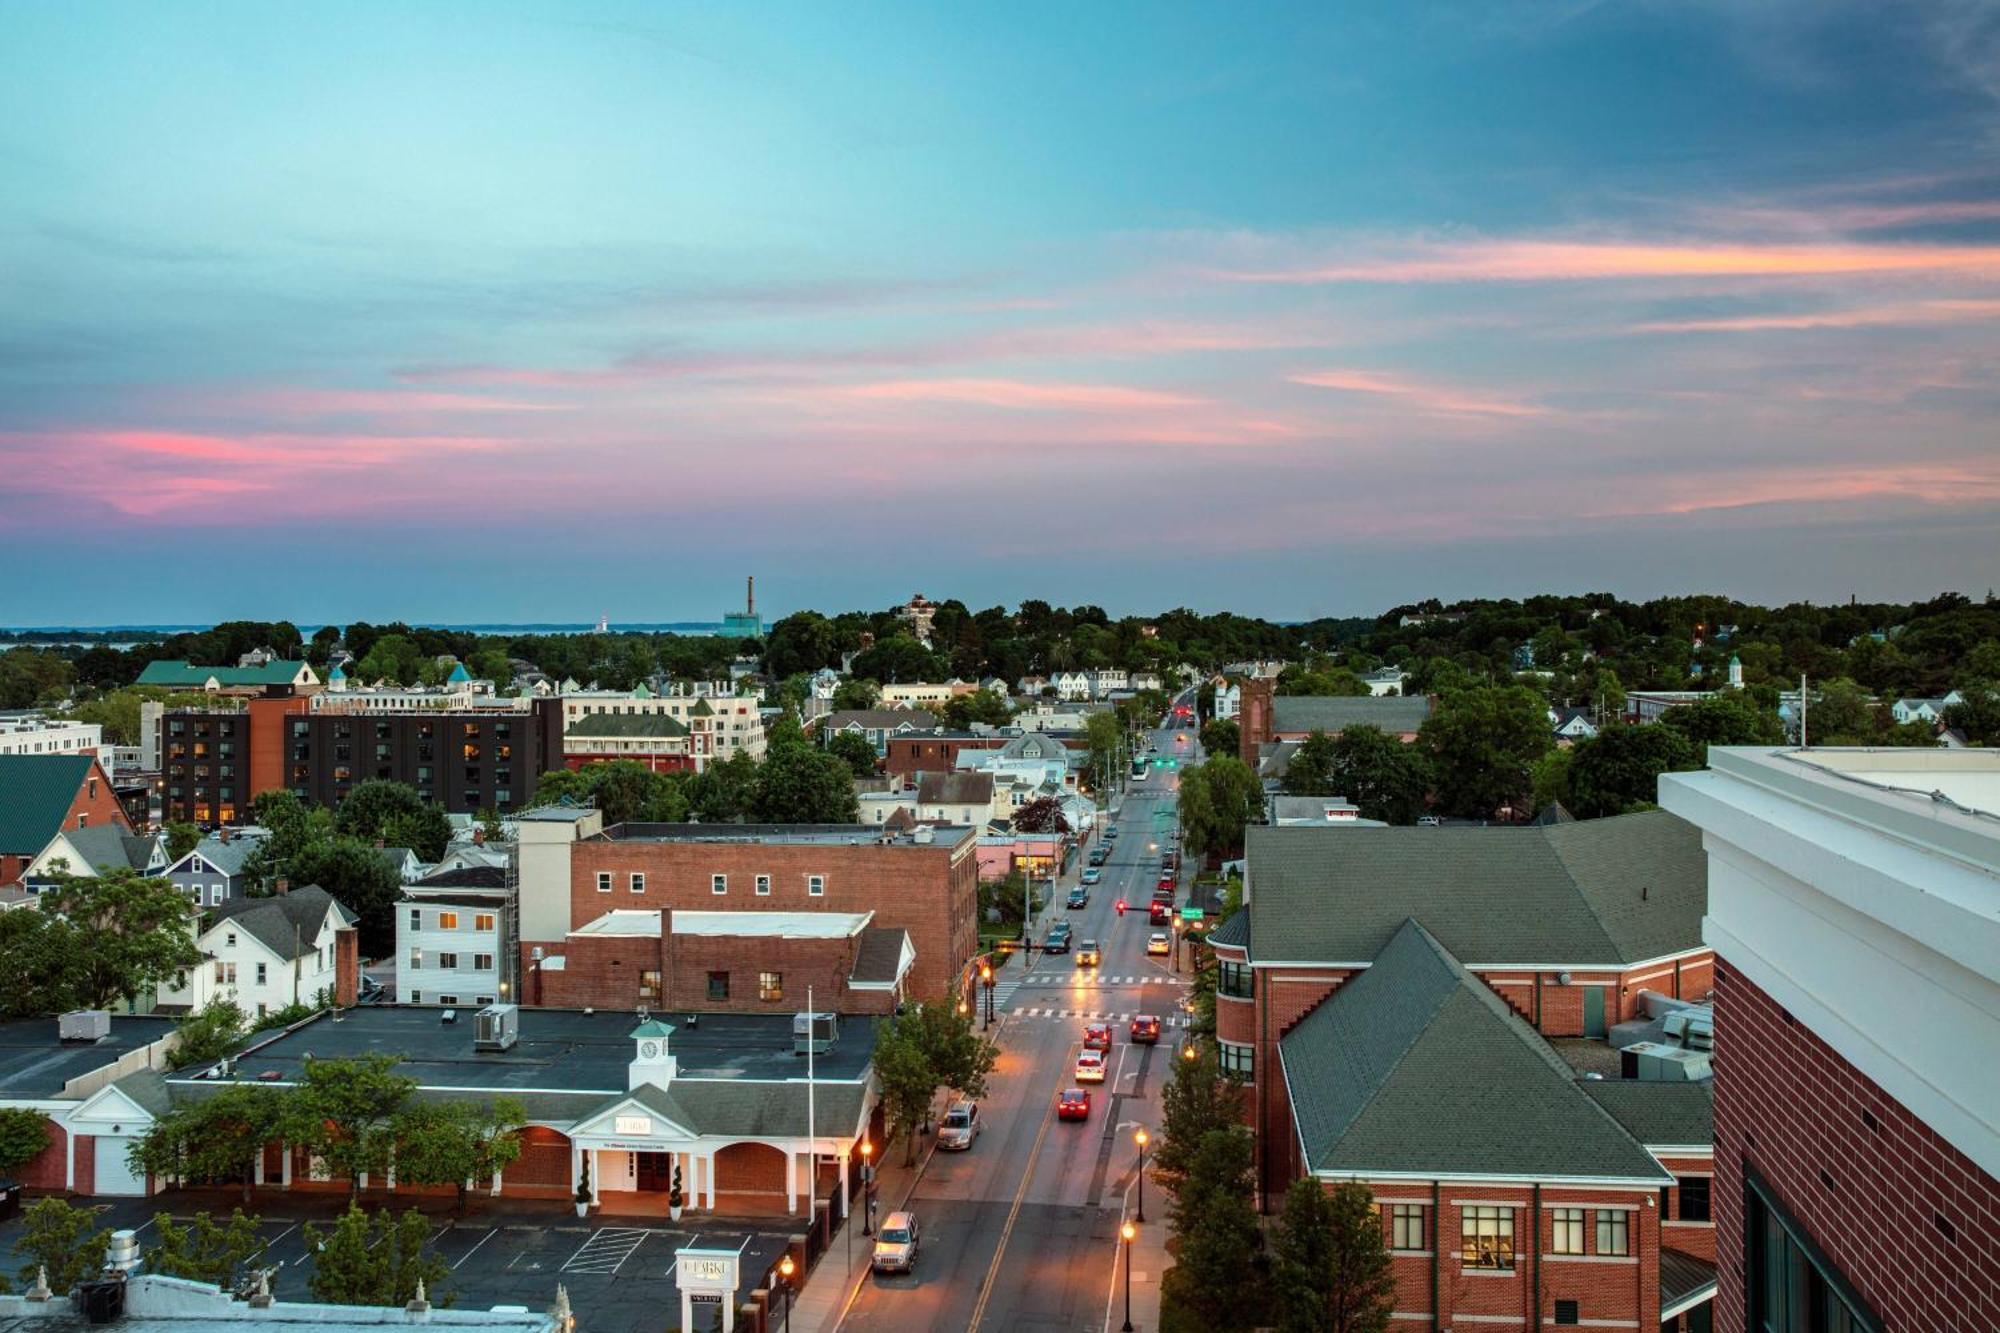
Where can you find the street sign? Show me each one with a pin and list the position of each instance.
(1190, 914)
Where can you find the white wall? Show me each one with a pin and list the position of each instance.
(435, 941)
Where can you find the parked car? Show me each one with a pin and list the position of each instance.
(1428, 821)
(960, 1127)
(1090, 1067)
(1158, 945)
(1160, 913)
(1100, 855)
(1092, 874)
(1097, 1037)
(1146, 1029)
(896, 1243)
(1073, 1104)
(1088, 954)
(1057, 942)
(1077, 898)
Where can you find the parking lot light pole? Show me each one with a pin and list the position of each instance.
(1128, 1232)
(785, 1270)
(1141, 1138)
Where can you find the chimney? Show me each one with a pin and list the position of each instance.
(478, 835)
(222, 834)
(283, 886)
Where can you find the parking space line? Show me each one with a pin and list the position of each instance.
(475, 1248)
(265, 1248)
(595, 1254)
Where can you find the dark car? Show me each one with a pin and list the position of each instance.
(1160, 913)
(1100, 856)
(1146, 1029)
(1078, 897)
(1057, 942)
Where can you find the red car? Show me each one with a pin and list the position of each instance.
(1097, 1037)
(1146, 1028)
(1159, 915)
(1073, 1104)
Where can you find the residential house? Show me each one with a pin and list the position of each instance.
(1386, 680)
(211, 872)
(917, 615)
(1146, 680)
(955, 798)
(1570, 725)
(96, 851)
(1073, 686)
(1930, 712)
(1316, 812)
(43, 796)
(455, 939)
(1046, 715)
(1031, 686)
(1228, 699)
(877, 725)
(86, 1074)
(1104, 682)
(295, 947)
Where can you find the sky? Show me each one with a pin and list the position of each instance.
(462, 313)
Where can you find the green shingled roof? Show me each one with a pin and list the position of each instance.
(625, 724)
(178, 673)
(1414, 1065)
(1596, 892)
(35, 794)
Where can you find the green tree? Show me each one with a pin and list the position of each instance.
(1978, 717)
(959, 1057)
(1105, 738)
(394, 814)
(357, 874)
(900, 659)
(1331, 1271)
(801, 643)
(983, 707)
(1214, 1282)
(209, 1033)
(215, 1140)
(1221, 736)
(345, 1111)
(1726, 719)
(1483, 741)
(391, 657)
(801, 785)
(60, 1238)
(1619, 768)
(1198, 1099)
(1548, 780)
(856, 694)
(908, 1082)
(1218, 799)
(451, 1143)
(373, 1261)
(726, 791)
(1310, 771)
(182, 838)
(130, 933)
(24, 1133)
(853, 749)
(1386, 777)
(205, 1250)
(1331, 680)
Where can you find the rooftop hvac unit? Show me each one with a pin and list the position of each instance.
(84, 1025)
(818, 1033)
(448, 1016)
(496, 1027)
(1653, 1062)
(1693, 1028)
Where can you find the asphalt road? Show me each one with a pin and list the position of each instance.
(1020, 1232)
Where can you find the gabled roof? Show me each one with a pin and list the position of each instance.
(878, 958)
(179, 672)
(955, 789)
(1659, 1115)
(1393, 713)
(288, 924)
(1594, 892)
(110, 847)
(881, 719)
(226, 857)
(1416, 1066)
(35, 793)
(626, 724)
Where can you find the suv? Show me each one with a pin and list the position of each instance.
(1057, 941)
(1088, 954)
(896, 1244)
(960, 1127)
(1146, 1029)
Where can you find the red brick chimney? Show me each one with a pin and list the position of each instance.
(346, 966)
(282, 885)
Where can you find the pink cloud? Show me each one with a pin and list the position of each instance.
(306, 401)
(1933, 484)
(1562, 261)
(1421, 396)
(1912, 313)
(1018, 394)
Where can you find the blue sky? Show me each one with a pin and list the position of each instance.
(495, 312)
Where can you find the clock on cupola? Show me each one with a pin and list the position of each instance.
(652, 1060)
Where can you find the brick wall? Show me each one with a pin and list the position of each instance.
(1676, 1233)
(1870, 1196)
(750, 1168)
(49, 1169)
(910, 755)
(85, 1147)
(604, 972)
(346, 966)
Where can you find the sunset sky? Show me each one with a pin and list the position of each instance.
(526, 312)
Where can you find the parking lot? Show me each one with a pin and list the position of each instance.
(624, 1272)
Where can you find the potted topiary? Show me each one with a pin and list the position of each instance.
(674, 1195)
(583, 1188)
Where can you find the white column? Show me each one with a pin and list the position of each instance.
(843, 1187)
(496, 1182)
(285, 1166)
(709, 1173)
(791, 1179)
(257, 1169)
(575, 1168)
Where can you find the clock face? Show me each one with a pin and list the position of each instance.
(649, 1050)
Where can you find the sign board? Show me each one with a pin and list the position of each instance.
(706, 1268)
(706, 1297)
(632, 1124)
(1190, 914)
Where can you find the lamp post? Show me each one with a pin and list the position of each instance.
(785, 1270)
(1141, 1137)
(986, 980)
(1128, 1232)
(867, 1187)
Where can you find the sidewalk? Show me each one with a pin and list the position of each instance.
(819, 1307)
(1149, 1260)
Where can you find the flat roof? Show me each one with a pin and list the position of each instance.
(784, 925)
(560, 1050)
(852, 835)
(36, 1063)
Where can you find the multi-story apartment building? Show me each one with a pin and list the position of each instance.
(1854, 908)
(455, 939)
(31, 733)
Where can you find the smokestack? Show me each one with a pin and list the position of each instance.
(750, 596)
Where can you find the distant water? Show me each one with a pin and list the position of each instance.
(126, 635)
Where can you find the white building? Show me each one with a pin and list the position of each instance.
(1927, 711)
(31, 733)
(267, 953)
(1228, 701)
(452, 939)
(721, 718)
(1385, 680)
(1073, 686)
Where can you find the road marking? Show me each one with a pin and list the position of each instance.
(475, 1249)
(265, 1247)
(1021, 1194)
(605, 1251)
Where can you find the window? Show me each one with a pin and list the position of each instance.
(763, 886)
(1236, 1058)
(416, 958)
(1613, 1234)
(1232, 979)
(482, 962)
(815, 886)
(1488, 1232)
(262, 974)
(230, 939)
(448, 961)
(1791, 1286)
(1566, 1231)
(82, 820)
(604, 881)
(447, 999)
(1694, 1198)
(447, 921)
(225, 973)
(416, 997)
(1406, 1226)
(416, 918)
(1566, 1313)
(770, 985)
(718, 985)
(482, 921)
(718, 884)
(638, 881)
(649, 984)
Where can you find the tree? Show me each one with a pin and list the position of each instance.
(726, 791)
(1483, 740)
(182, 838)
(1310, 770)
(797, 784)
(907, 1080)
(61, 1240)
(395, 815)
(205, 1250)
(1213, 1283)
(856, 694)
(853, 749)
(451, 1143)
(1978, 717)
(357, 874)
(344, 1112)
(959, 1057)
(1199, 1098)
(1105, 737)
(24, 1134)
(1217, 801)
(1726, 719)
(1619, 768)
(900, 659)
(624, 790)
(1044, 814)
(802, 642)
(982, 707)
(373, 1261)
(1332, 680)
(921, 1050)
(1386, 777)
(1331, 1270)
(215, 1140)
(209, 1033)
(1221, 736)
(490, 827)
(130, 934)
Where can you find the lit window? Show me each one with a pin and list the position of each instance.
(1566, 1231)
(1613, 1234)
(649, 984)
(482, 921)
(770, 985)
(1488, 1233)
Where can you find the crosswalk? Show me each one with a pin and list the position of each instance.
(1090, 1016)
(1086, 979)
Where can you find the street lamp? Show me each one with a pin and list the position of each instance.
(867, 1187)
(1128, 1232)
(986, 978)
(785, 1270)
(1141, 1137)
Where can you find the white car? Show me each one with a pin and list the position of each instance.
(1158, 945)
(1090, 1067)
(960, 1128)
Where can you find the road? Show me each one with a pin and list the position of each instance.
(1021, 1231)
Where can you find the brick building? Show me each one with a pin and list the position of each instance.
(931, 752)
(1513, 1193)
(1565, 923)
(45, 795)
(1854, 907)
(1265, 718)
(923, 882)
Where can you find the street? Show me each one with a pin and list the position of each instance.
(1021, 1231)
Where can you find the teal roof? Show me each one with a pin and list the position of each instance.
(459, 675)
(653, 1028)
(338, 673)
(181, 674)
(35, 793)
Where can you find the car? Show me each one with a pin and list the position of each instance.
(1111, 834)
(1092, 874)
(1073, 1104)
(1077, 898)
(1088, 954)
(1090, 1067)
(1145, 1028)
(896, 1242)
(1097, 1037)
(1428, 821)
(1160, 913)
(1166, 882)
(960, 1127)
(1057, 942)
(1100, 856)
(1158, 945)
